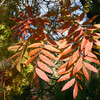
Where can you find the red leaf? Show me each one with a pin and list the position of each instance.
(64, 58)
(47, 53)
(19, 20)
(61, 27)
(79, 36)
(51, 48)
(75, 91)
(37, 83)
(80, 86)
(77, 32)
(34, 45)
(85, 73)
(92, 28)
(15, 27)
(71, 30)
(41, 74)
(95, 34)
(92, 60)
(31, 59)
(88, 47)
(78, 65)
(46, 60)
(97, 42)
(34, 51)
(15, 34)
(27, 26)
(74, 8)
(73, 57)
(90, 67)
(68, 3)
(90, 20)
(64, 77)
(68, 84)
(81, 17)
(25, 32)
(44, 67)
(22, 15)
(29, 10)
(66, 27)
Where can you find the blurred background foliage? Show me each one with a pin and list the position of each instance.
(17, 85)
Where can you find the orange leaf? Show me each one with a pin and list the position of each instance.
(81, 17)
(75, 91)
(64, 70)
(18, 67)
(68, 49)
(68, 84)
(84, 42)
(51, 48)
(46, 60)
(90, 54)
(64, 45)
(97, 25)
(85, 73)
(34, 51)
(61, 71)
(62, 66)
(90, 20)
(44, 67)
(64, 77)
(90, 67)
(15, 62)
(47, 53)
(31, 59)
(29, 10)
(41, 74)
(92, 59)
(14, 56)
(88, 47)
(15, 48)
(73, 57)
(78, 65)
(34, 45)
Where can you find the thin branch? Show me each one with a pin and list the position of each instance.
(2, 2)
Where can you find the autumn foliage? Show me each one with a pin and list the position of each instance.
(73, 47)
